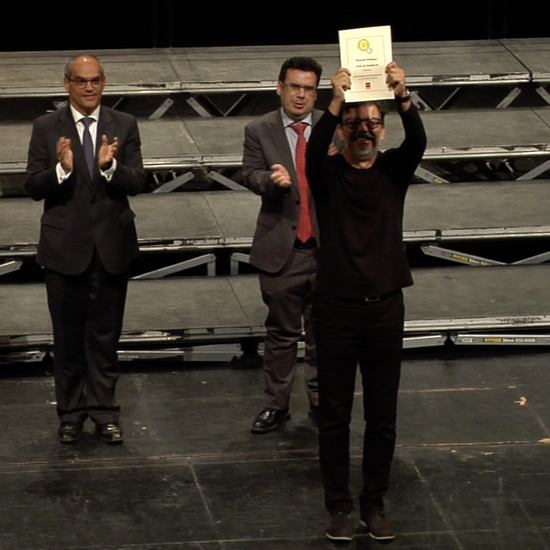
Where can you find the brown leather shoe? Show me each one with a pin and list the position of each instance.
(339, 527)
(378, 524)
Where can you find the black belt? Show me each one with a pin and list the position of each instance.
(310, 243)
(382, 296)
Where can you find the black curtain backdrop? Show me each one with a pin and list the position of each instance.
(172, 23)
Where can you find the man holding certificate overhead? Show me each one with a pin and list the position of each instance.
(358, 310)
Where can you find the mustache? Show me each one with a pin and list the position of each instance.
(362, 135)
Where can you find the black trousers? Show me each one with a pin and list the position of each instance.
(351, 332)
(87, 312)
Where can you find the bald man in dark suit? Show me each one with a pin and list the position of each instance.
(84, 160)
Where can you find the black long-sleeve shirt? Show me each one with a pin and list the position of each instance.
(360, 212)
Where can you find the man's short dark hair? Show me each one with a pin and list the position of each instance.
(347, 107)
(301, 64)
(68, 65)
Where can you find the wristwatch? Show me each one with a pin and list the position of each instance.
(404, 98)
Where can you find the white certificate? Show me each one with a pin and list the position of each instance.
(366, 52)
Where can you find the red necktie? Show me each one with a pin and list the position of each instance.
(305, 231)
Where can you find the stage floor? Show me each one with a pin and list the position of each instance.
(471, 469)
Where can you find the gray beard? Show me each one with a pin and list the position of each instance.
(364, 155)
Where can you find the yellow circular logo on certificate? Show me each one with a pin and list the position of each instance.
(363, 44)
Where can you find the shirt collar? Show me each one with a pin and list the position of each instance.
(77, 116)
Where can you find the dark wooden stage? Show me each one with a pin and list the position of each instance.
(471, 468)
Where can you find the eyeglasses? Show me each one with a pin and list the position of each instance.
(371, 123)
(81, 82)
(295, 88)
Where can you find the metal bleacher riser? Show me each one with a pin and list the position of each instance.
(464, 304)
(220, 70)
(184, 144)
(219, 219)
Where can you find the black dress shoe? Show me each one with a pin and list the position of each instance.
(69, 432)
(110, 432)
(269, 420)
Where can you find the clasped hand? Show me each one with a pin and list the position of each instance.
(107, 152)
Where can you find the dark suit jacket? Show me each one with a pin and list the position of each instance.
(265, 144)
(84, 212)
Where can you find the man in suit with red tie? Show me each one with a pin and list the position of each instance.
(285, 242)
(84, 160)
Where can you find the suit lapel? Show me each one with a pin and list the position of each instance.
(315, 116)
(281, 143)
(106, 127)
